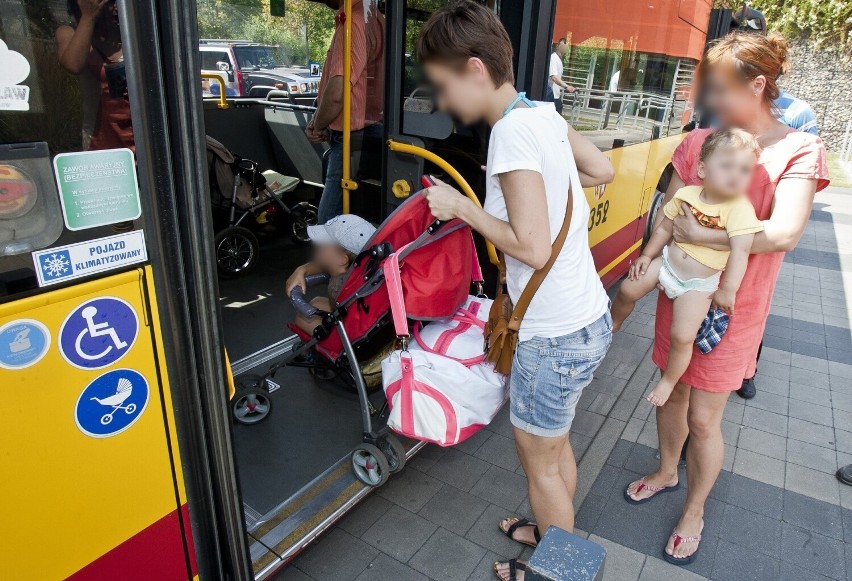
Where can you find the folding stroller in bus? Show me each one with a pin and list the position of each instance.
(436, 266)
(240, 190)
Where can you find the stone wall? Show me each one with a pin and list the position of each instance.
(823, 79)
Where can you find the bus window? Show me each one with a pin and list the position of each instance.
(629, 68)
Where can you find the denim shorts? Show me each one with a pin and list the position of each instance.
(549, 374)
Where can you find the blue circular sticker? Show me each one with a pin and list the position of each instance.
(23, 343)
(111, 403)
(98, 333)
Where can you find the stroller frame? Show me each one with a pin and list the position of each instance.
(380, 450)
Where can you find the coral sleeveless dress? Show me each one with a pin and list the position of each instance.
(797, 155)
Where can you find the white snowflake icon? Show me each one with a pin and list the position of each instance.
(55, 265)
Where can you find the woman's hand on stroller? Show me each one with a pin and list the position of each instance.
(445, 202)
(296, 279)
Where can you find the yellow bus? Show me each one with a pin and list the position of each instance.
(133, 445)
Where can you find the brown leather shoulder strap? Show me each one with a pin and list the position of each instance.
(540, 274)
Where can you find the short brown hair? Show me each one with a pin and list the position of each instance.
(732, 138)
(464, 30)
(750, 55)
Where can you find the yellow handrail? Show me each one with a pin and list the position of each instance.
(223, 101)
(451, 171)
(346, 182)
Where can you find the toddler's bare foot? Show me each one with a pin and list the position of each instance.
(660, 394)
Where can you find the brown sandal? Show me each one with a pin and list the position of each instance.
(520, 522)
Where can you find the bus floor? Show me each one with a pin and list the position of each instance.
(313, 423)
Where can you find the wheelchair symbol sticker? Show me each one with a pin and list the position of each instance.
(111, 403)
(98, 333)
(23, 343)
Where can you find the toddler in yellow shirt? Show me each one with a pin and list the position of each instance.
(689, 274)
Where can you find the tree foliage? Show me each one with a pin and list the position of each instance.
(305, 32)
(826, 23)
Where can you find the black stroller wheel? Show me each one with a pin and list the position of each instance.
(395, 452)
(370, 465)
(251, 405)
(236, 251)
(304, 215)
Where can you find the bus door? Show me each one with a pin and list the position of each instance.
(108, 350)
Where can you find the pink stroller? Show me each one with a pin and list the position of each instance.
(437, 263)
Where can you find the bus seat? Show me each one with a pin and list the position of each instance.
(287, 127)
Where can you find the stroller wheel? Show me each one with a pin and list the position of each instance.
(236, 251)
(251, 405)
(370, 465)
(395, 452)
(304, 215)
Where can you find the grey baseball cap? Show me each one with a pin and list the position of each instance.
(347, 230)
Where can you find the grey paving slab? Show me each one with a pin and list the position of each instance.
(812, 456)
(384, 568)
(771, 402)
(811, 483)
(762, 442)
(753, 532)
(291, 573)
(501, 487)
(735, 562)
(337, 557)
(811, 433)
(399, 533)
(810, 412)
(622, 564)
(484, 570)
(755, 496)
(759, 467)
(500, 451)
(448, 556)
(813, 395)
(620, 453)
(656, 570)
(410, 489)
(427, 457)
(363, 516)
(454, 509)
(459, 469)
(813, 515)
(765, 421)
(814, 552)
(485, 533)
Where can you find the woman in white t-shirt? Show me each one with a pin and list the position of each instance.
(532, 168)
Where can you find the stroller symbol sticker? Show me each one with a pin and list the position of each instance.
(22, 343)
(98, 333)
(111, 403)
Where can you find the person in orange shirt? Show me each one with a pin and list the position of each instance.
(367, 79)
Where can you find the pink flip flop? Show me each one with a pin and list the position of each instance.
(645, 486)
(680, 562)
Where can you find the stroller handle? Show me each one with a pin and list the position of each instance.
(297, 297)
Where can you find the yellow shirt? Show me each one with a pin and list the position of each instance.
(735, 216)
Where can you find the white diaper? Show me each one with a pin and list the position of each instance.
(674, 286)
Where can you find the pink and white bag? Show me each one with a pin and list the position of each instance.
(439, 388)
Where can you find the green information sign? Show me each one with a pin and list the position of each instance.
(97, 188)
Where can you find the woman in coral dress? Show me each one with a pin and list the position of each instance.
(739, 75)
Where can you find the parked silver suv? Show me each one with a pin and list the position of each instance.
(251, 69)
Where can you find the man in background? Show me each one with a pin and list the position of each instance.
(367, 80)
(556, 68)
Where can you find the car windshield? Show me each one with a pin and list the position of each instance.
(261, 57)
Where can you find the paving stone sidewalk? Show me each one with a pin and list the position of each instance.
(776, 513)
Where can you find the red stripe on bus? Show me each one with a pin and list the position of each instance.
(611, 247)
(156, 552)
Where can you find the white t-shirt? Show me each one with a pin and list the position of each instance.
(571, 296)
(556, 68)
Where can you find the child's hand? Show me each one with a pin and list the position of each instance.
(639, 267)
(724, 299)
(444, 200)
(296, 279)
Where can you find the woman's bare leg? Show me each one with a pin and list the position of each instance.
(672, 430)
(688, 313)
(551, 500)
(704, 458)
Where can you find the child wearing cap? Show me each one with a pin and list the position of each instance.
(336, 244)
